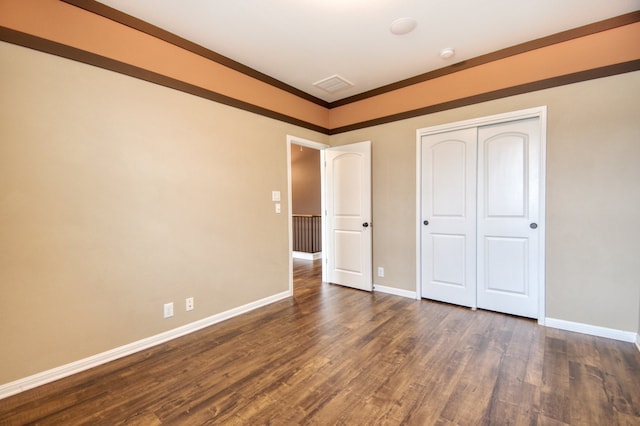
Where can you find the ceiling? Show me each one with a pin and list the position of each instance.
(300, 42)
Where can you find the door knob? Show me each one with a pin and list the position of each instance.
(426, 222)
(533, 225)
(365, 225)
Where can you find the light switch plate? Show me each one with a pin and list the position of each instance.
(167, 310)
(275, 195)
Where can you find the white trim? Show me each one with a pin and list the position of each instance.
(306, 256)
(638, 341)
(321, 147)
(536, 112)
(593, 330)
(485, 121)
(542, 220)
(289, 217)
(323, 213)
(418, 215)
(395, 291)
(66, 370)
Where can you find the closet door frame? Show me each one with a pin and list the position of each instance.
(537, 112)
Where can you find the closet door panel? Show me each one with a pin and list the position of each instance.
(508, 191)
(448, 233)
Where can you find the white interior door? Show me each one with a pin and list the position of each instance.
(348, 215)
(508, 216)
(481, 232)
(449, 217)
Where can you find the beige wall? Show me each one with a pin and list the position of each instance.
(593, 196)
(305, 180)
(116, 196)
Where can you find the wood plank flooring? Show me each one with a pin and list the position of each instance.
(336, 356)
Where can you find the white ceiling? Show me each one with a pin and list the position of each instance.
(302, 41)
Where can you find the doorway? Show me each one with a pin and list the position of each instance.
(345, 188)
(481, 213)
(306, 203)
(306, 200)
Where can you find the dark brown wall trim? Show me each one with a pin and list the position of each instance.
(51, 47)
(140, 25)
(498, 94)
(585, 30)
(47, 46)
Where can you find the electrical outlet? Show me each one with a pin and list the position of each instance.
(168, 310)
(380, 271)
(188, 303)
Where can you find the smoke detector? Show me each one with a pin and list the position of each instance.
(447, 53)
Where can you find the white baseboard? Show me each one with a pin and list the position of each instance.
(57, 373)
(593, 330)
(306, 256)
(638, 341)
(395, 291)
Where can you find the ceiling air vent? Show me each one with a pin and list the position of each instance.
(333, 84)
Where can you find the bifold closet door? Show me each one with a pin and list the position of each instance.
(508, 206)
(449, 217)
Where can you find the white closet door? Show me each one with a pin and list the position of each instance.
(507, 231)
(449, 217)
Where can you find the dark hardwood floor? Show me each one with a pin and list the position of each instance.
(332, 355)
